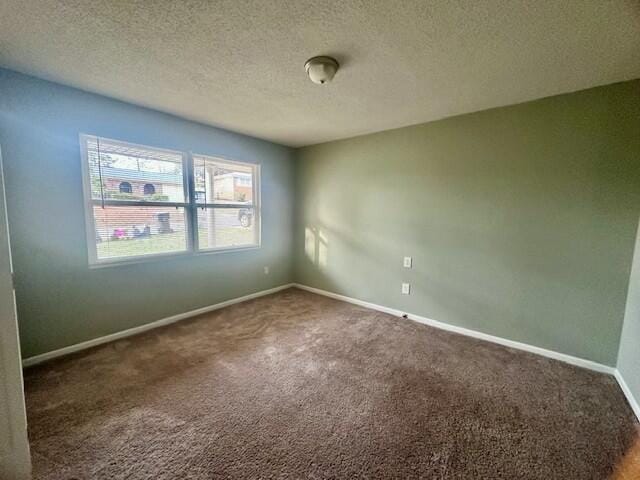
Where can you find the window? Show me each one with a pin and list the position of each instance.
(144, 201)
(227, 209)
(125, 187)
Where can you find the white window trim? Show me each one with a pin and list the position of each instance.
(190, 208)
(255, 204)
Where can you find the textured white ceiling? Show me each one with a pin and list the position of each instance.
(238, 64)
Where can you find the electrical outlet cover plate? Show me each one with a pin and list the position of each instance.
(407, 262)
(406, 288)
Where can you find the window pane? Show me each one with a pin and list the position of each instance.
(133, 231)
(129, 172)
(217, 181)
(226, 227)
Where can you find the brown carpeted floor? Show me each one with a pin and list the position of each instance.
(295, 385)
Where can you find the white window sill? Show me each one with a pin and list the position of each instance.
(118, 262)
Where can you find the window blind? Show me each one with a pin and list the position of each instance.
(144, 201)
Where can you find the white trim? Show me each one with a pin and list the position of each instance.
(134, 259)
(15, 459)
(89, 222)
(580, 362)
(256, 201)
(35, 360)
(633, 403)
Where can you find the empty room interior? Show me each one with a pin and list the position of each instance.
(319, 240)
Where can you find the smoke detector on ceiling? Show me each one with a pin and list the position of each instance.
(321, 69)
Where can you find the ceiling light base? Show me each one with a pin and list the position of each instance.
(321, 69)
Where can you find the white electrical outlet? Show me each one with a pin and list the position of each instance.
(407, 262)
(266, 270)
(406, 288)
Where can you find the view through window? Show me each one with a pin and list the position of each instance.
(225, 200)
(144, 201)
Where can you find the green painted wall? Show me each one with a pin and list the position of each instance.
(629, 356)
(61, 301)
(520, 220)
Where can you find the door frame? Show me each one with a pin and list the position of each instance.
(15, 459)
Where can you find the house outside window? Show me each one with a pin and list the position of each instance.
(141, 202)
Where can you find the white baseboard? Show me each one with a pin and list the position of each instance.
(635, 406)
(580, 362)
(28, 362)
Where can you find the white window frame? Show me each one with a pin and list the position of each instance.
(255, 205)
(190, 207)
